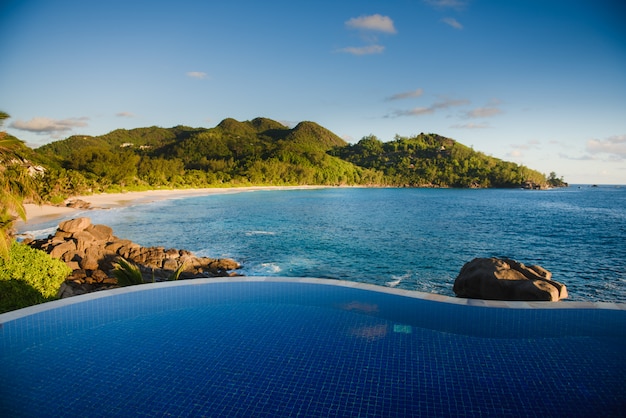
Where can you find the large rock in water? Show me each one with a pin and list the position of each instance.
(505, 279)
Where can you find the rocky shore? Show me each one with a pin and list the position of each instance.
(92, 251)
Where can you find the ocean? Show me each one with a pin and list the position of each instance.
(416, 239)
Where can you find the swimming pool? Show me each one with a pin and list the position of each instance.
(309, 347)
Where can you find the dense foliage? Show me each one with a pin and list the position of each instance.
(428, 160)
(17, 182)
(554, 181)
(28, 277)
(264, 152)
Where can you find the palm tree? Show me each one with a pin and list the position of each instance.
(16, 184)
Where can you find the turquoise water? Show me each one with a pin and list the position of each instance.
(416, 239)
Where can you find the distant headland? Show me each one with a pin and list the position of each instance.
(262, 152)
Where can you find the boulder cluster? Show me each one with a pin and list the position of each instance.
(92, 251)
(506, 279)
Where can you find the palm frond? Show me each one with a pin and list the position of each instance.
(127, 273)
(176, 274)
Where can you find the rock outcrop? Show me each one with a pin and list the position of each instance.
(505, 279)
(78, 204)
(91, 251)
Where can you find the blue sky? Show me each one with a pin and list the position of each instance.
(538, 82)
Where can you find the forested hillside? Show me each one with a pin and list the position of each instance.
(264, 152)
(433, 160)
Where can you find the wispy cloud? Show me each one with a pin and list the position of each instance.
(519, 149)
(125, 115)
(197, 74)
(471, 125)
(363, 50)
(416, 111)
(585, 157)
(483, 112)
(533, 143)
(446, 103)
(447, 4)
(450, 21)
(43, 125)
(419, 111)
(614, 146)
(376, 23)
(406, 95)
(369, 27)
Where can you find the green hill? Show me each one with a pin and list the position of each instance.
(265, 152)
(428, 160)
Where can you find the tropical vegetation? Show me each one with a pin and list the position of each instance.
(29, 276)
(263, 152)
(17, 183)
(428, 160)
(555, 181)
(128, 273)
(233, 153)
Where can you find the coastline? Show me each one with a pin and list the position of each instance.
(44, 213)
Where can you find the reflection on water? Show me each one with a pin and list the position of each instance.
(360, 307)
(370, 332)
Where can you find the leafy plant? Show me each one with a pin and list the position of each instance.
(29, 276)
(176, 273)
(16, 184)
(127, 273)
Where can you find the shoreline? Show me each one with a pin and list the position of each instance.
(36, 214)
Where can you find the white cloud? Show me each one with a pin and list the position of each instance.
(483, 112)
(471, 125)
(368, 26)
(42, 125)
(533, 143)
(447, 4)
(125, 115)
(197, 74)
(446, 103)
(614, 145)
(406, 94)
(419, 111)
(288, 123)
(363, 50)
(518, 149)
(585, 157)
(376, 23)
(450, 21)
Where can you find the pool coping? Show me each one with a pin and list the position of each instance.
(20, 313)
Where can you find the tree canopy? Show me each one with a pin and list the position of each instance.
(17, 183)
(265, 152)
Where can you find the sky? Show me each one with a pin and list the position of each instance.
(538, 82)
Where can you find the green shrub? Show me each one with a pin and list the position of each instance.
(28, 277)
(127, 273)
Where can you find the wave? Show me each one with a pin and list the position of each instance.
(397, 279)
(270, 268)
(253, 233)
(39, 233)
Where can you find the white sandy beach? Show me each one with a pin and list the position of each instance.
(42, 213)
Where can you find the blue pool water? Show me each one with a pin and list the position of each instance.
(414, 239)
(306, 347)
